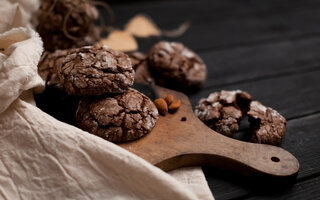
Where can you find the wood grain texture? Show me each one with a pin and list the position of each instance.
(301, 139)
(307, 190)
(174, 143)
(261, 61)
(269, 48)
(293, 95)
(221, 24)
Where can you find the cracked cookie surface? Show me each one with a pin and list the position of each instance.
(268, 125)
(117, 118)
(48, 70)
(222, 111)
(88, 70)
(174, 65)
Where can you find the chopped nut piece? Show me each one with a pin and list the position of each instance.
(161, 105)
(169, 99)
(175, 105)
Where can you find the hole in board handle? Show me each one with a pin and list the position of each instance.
(275, 159)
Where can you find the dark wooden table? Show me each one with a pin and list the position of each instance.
(269, 48)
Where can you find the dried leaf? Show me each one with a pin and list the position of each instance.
(178, 31)
(120, 40)
(142, 26)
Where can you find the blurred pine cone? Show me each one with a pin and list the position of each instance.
(66, 24)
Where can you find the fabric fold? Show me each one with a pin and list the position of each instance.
(43, 158)
(21, 49)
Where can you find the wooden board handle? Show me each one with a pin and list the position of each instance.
(227, 153)
(175, 143)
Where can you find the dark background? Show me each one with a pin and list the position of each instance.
(269, 48)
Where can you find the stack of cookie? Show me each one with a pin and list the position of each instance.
(108, 108)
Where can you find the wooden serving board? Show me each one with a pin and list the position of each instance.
(175, 143)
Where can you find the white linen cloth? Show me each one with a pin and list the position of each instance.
(43, 158)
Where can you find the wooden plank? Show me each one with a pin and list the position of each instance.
(292, 96)
(231, 66)
(307, 190)
(260, 61)
(165, 12)
(224, 185)
(283, 63)
(301, 140)
(217, 24)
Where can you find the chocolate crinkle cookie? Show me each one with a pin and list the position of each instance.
(222, 111)
(176, 66)
(48, 70)
(96, 70)
(67, 24)
(268, 125)
(140, 65)
(117, 118)
(89, 70)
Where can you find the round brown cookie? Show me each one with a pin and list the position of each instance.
(140, 65)
(137, 58)
(47, 68)
(222, 111)
(118, 118)
(78, 16)
(176, 66)
(95, 70)
(268, 125)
